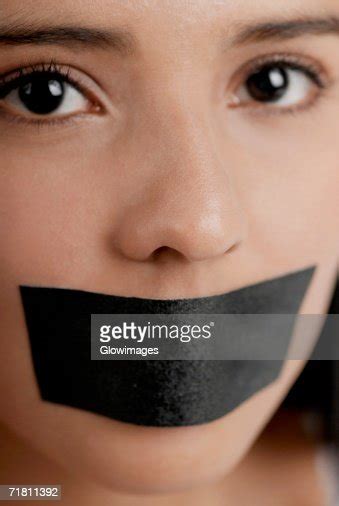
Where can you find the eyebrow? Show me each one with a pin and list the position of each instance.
(119, 40)
(287, 29)
(124, 42)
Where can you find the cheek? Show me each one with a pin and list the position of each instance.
(61, 202)
(290, 187)
(298, 217)
(51, 217)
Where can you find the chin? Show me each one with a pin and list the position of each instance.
(146, 460)
(132, 459)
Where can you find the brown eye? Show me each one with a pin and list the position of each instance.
(43, 94)
(269, 84)
(277, 85)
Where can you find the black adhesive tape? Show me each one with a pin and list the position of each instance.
(148, 392)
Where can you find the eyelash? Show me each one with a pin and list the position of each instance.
(303, 63)
(12, 80)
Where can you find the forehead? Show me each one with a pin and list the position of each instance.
(177, 13)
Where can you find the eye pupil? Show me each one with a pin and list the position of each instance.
(269, 84)
(42, 94)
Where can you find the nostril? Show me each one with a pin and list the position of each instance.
(233, 248)
(160, 251)
(164, 253)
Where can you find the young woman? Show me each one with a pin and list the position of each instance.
(165, 149)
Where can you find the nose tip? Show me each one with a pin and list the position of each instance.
(191, 233)
(184, 202)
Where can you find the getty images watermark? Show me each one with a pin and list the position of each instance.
(147, 338)
(211, 336)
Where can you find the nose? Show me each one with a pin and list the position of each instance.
(186, 203)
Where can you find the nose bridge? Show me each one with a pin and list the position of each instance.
(189, 204)
(192, 169)
(180, 111)
(186, 138)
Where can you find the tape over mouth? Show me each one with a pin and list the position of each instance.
(149, 392)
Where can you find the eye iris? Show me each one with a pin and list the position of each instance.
(269, 84)
(42, 94)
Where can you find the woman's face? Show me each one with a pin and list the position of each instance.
(161, 149)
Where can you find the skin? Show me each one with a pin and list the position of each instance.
(167, 192)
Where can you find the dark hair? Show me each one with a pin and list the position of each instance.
(317, 388)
